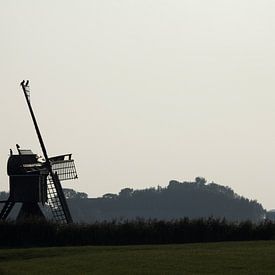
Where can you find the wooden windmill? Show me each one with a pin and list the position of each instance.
(35, 180)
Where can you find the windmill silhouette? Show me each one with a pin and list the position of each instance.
(35, 180)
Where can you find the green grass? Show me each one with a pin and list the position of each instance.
(212, 258)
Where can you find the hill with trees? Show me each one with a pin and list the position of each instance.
(197, 199)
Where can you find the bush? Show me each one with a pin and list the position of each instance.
(41, 233)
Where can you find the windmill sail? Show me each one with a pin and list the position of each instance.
(28, 92)
(56, 202)
(64, 169)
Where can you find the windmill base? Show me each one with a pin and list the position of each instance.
(30, 211)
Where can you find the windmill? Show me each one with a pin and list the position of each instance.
(36, 180)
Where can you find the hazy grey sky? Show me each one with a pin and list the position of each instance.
(142, 92)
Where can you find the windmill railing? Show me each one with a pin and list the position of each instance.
(64, 167)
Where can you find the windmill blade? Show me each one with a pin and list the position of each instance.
(64, 169)
(64, 166)
(57, 200)
(26, 88)
(6, 210)
(28, 93)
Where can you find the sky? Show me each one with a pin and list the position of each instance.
(143, 92)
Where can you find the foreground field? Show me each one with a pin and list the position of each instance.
(227, 258)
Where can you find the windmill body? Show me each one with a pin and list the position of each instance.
(28, 177)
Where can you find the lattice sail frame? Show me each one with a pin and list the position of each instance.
(64, 167)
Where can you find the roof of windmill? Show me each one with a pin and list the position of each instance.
(25, 152)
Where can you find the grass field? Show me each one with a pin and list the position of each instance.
(212, 258)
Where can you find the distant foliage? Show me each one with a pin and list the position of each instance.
(72, 194)
(271, 215)
(178, 200)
